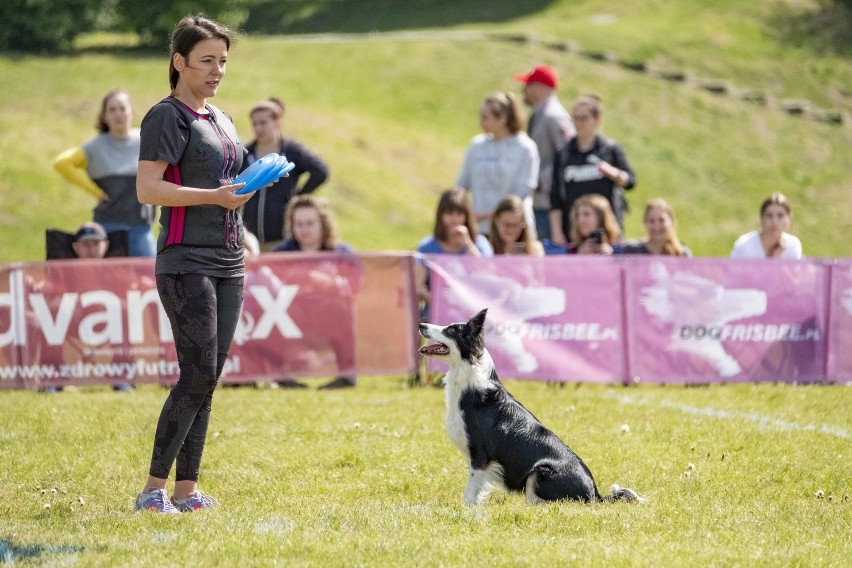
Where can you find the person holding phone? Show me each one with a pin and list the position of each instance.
(509, 231)
(594, 228)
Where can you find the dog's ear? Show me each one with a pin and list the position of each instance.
(477, 322)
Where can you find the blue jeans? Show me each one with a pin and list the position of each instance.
(140, 239)
(542, 223)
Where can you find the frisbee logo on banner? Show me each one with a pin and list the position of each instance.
(263, 172)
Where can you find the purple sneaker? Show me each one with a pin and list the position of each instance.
(155, 500)
(194, 502)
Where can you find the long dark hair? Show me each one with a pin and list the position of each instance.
(454, 200)
(776, 199)
(188, 33)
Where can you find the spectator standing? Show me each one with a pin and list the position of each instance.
(501, 161)
(594, 228)
(589, 163)
(189, 152)
(310, 227)
(550, 127)
(773, 240)
(661, 235)
(264, 215)
(509, 233)
(105, 167)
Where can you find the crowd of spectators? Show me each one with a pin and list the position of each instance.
(552, 185)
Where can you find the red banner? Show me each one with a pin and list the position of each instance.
(101, 322)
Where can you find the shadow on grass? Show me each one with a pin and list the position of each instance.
(362, 16)
(11, 552)
(825, 29)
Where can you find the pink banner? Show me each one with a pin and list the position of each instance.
(840, 327)
(717, 320)
(100, 322)
(557, 318)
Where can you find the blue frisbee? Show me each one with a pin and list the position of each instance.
(255, 170)
(281, 167)
(263, 172)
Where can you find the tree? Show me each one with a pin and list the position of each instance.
(154, 20)
(46, 25)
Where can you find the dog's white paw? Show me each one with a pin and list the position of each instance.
(625, 494)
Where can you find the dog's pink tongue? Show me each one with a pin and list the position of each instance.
(433, 348)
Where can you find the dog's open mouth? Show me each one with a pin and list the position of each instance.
(435, 349)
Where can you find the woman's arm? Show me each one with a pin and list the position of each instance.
(619, 171)
(152, 189)
(71, 165)
(526, 177)
(315, 167)
(537, 249)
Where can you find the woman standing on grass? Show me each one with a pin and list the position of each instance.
(501, 161)
(105, 167)
(773, 240)
(189, 153)
(589, 163)
(264, 216)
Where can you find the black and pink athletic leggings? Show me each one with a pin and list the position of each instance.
(203, 311)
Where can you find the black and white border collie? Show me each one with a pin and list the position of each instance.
(505, 446)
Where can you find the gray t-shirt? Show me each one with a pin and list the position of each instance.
(111, 163)
(203, 151)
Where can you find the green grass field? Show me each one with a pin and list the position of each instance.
(394, 113)
(369, 477)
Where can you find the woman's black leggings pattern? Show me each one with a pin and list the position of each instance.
(203, 312)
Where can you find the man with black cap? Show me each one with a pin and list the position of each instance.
(550, 127)
(90, 241)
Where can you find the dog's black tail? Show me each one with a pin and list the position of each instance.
(618, 493)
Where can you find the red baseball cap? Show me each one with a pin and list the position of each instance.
(540, 74)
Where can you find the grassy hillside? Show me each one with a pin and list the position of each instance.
(393, 114)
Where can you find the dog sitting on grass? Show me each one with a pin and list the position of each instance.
(505, 446)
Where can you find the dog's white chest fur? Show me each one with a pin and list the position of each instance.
(457, 379)
(455, 424)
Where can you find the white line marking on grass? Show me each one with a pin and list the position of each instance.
(280, 526)
(764, 421)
